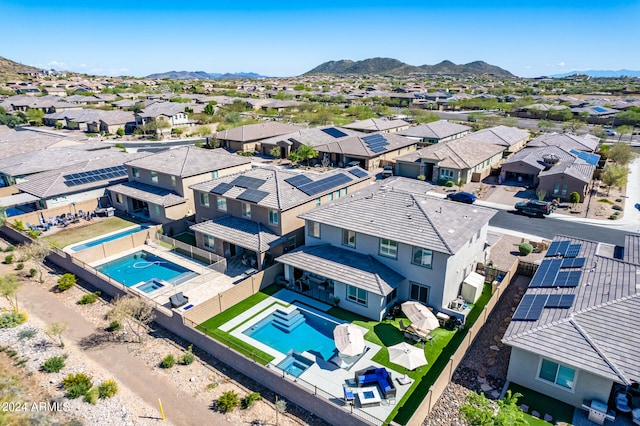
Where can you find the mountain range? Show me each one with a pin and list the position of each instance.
(389, 66)
(9, 69)
(201, 75)
(601, 73)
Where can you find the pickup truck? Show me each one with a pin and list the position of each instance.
(534, 208)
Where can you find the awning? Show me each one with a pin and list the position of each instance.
(150, 194)
(17, 200)
(241, 232)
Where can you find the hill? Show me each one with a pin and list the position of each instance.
(389, 66)
(601, 73)
(9, 69)
(201, 75)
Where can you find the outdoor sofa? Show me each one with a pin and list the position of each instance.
(376, 376)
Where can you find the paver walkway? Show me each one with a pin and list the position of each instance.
(125, 368)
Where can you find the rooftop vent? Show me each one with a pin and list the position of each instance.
(550, 160)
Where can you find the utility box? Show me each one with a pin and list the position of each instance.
(472, 287)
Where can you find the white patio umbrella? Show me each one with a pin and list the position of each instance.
(420, 316)
(349, 339)
(407, 356)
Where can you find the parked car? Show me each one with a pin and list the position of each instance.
(387, 171)
(534, 208)
(610, 132)
(462, 197)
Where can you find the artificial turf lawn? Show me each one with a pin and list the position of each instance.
(543, 404)
(187, 238)
(91, 230)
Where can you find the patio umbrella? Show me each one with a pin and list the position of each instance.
(420, 316)
(407, 356)
(349, 339)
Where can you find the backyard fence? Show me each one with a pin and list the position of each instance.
(216, 262)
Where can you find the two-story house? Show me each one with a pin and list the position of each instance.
(386, 243)
(158, 186)
(254, 214)
(163, 116)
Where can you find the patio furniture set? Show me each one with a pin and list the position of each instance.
(373, 387)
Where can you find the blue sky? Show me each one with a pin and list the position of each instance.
(287, 38)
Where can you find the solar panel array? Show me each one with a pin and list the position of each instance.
(376, 143)
(546, 273)
(332, 131)
(80, 178)
(221, 188)
(248, 182)
(358, 173)
(252, 195)
(576, 262)
(322, 185)
(587, 156)
(563, 248)
(531, 305)
(298, 180)
(573, 250)
(549, 273)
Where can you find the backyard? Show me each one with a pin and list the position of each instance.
(75, 234)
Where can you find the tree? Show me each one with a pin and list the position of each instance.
(306, 152)
(9, 286)
(481, 411)
(574, 199)
(275, 152)
(572, 126)
(624, 130)
(133, 313)
(34, 116)
(120, 131)
(545, 125)
(209, 108)
(614, 175)
(55, 331)
(36, 252)
(294, 157)
(541, 194)
(621, 153)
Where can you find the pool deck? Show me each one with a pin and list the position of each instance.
(326, 376)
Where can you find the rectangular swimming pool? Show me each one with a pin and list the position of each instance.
(142, 266)
(300, 330)
(106, 239)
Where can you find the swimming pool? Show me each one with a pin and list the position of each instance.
(300, 330)
(142, 266)
(106, 239)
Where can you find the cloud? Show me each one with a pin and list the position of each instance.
(527, 67)
(56, 64)
(561, 64)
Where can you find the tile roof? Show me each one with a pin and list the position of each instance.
(568, 163)
(460, 154)
(401, 211)
(349, 267)
(255, 132)
(313, 136)
(168, 109)
(281, 194)
(376, 124)
(148, 193)
(242, 232)
(500, 135)
(598, 332)
(437, 130)
(189, 161)
(566, 141)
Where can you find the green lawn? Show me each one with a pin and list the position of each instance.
(543, 404)
(211, 326)
(91, 230)
(187, 238)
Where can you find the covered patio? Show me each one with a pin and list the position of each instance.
(145, 201)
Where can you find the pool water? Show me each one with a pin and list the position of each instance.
(150, 286)
(143, 266)
(106, 239)
(295, 364)
(301, 331)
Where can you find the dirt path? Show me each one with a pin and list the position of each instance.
(125, 368)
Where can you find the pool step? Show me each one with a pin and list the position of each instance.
(287, 321)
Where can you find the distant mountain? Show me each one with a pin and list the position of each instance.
(601, 73)
(201, 75)
(389, 66)
(9, 69)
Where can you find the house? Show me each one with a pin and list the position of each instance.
(163, 116)
(158, 185)
(55, 91)
(247, 138)
(573, 336)
(385, 243)
(255, 213)
(511, 139)
(465, 159)
(552, 169)
(566, 141)
(438, 131)
(374, 125)
(110, 121)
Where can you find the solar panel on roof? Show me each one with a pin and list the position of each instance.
(358, 173)
(248, 182)
(573, 280)
(332, 131)
(553, 249)
(525, 304)
(316, 187)
(536, 307)
(576, 262)
(221, 188)
(298, 180)
(552, 301)
(573, 250)
(560, 301)
(563, 246)
(252, 195)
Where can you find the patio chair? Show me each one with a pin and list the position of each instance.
(178, 300)
(402, 326)
(349, 397)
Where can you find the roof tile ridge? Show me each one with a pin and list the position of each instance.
(534, 330)
(278, 198)
(184, 162)
(259, 233)
(435, 229)
(374, 267)
(599, 351)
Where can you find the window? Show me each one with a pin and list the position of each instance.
(318, 201)
(290, 244)
(357, 295)
(330, 196)
(214, 174)
(119, 198)
(446, 174)
(157, 209)
(222, 203)
(273, 217)
(173, 180)
(422, 257)
(388, 248)
(556, 189)
(209, 242)
(246, 210)
(336, 194)
(204, 199)
(391, 296)
(348, 238)
(419, 292)
(154, 177)
(135, 172)
(564, 189)
(343, 192)
(313, 229)
(557, 374)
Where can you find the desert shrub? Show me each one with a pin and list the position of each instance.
(228, 401)
(8, 259)
(12, 319)
(107, 389)
(248, 400)
(32, 272)
(604, 200)
(421, 177)
(54, 364)
(92, 396)
(66, 281)
(20, 266)
(89, 298)
(18, 225)
(76, 385)
(33, 233)
(9, 248)
(187, 358)
(449, 184)
(617, 207)
(618, 200)
(613, 217)
(168, 361)
(114, 326)
(525, 249)
(27, 334)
